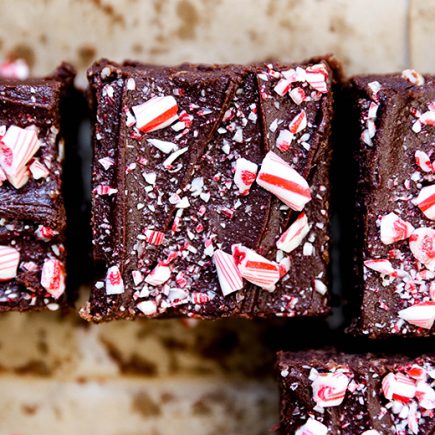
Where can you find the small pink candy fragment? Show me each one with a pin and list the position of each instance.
(329, 389)
(425, 201)
(137, 276)
(154, 237)
(53, 277)
(104, 190)
(316, 76)
(295, 233)
(149, 308)
(394, 229)
(284, 266)
(9, 260)
(413, 77)
(45, 233)
(38, 170)
(398, 387)
(428, 118)
(284, 140)
(159, 275)
(383, 266)
(106, 162)
(298, 123)
(229, 276)
(423, 162)
(156, 113)
(255, 268)
(312, 427)
(244, 177)
(421, 315)
(279, 178)
(114, 281)
(18, 146)
(199, 298)
(417, 372)
(422, 245)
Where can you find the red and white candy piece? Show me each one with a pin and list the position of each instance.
(38, 170)
(104, 190)
(154, 237)
(114, 281)
(229, 276)
(316, 76)
(280, 179)
(295, 233)
(298, 95)
(422, 245)
(156, 113)
(53, 277)
(255, 268)
(9, 260)
(417, 372)
(413, 77)
(394, 229)
(425, 395)
(427, 118)
(298, 123)
(159, 275)
(312, 427)
(329, 389)
(421, 315)
(245, 174)
(423, 162)
(282, 87)
(45, 233)
(397, 386)
(425, 201)
(14, 69)
(149, 308)
(18, 146)
(284, 140)
(381, 265)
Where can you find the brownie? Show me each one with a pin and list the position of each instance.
(324, 392)
(394, 157)
(32, 214)
(198, 172)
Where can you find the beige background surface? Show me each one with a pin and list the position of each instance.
(168, 377)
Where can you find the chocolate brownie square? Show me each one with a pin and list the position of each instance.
(395, 204)
(323, 392)
(211, 189)
(32, 214)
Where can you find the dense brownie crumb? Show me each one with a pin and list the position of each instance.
(198, 172)
(32, 214)
(395, 204)
(323, 392)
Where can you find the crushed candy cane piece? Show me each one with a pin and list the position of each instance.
(427, 118)
(421, 315)
(159, 275)
(163, 145)
(425, 201)
(45, 233)
(394, 229)
(255, 268)
(282, 87)
(397, 386)
(154, 237)
(316, 76)
(383, 266)
(149, 308)
(284, 140)
(413, 77)
(298, 123)
(15, 69)
(38, 170)
(104, 190)
(329, 389)
(9, 260)
(298, 95)
(295, 233)
(423, 162)
(114, 282)
(425, 395)
(320, 287)
(279, 178)
(156, 113)
(422, 245)
(312, 427)
(229, 276)
(245, 174)
(18, 146)
(53, 277)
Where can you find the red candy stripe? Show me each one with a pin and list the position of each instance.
(421, 315)
(398, 387)
(229, 276)
(294, 235)
(9, 260)
(245, 174)
(53, 277)
(154, 237)
(394, 229)
(279, 178)
(298, 123)
(255, 268)
(426, 201)
(329, 389)
(422, 245)
(156, 113)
